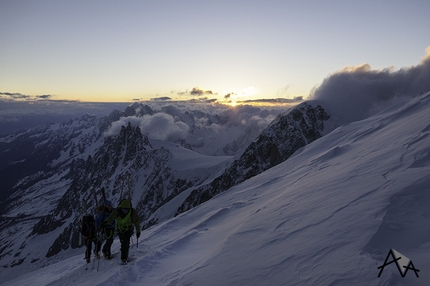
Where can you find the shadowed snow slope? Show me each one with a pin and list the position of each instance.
(327, 216)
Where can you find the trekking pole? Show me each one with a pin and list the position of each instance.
(122, 187)
(94, 261)
(80, 218)
(129, 192)
(103, 194)
(98, 264)
(86, 263)
(96, 242)
(95, 198)
(86, 241)
(99, 242)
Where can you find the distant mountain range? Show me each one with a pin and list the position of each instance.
(61, 167)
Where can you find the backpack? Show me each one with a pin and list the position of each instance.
(100, 208)
(103, 214)
(88, 226)
(125, 223)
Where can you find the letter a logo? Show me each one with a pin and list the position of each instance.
(402, 262)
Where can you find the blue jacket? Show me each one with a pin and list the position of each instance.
(101, 217)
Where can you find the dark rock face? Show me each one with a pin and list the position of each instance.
(285, 135)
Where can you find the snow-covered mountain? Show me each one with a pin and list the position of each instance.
(53, 174)
(285, 135)
(328, 215)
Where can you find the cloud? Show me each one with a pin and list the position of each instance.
(295, 100)
(162, 98)
(176, 117)
(199, 92)
(360, 68)
(45, 96)
(245, 92)
(283, 91)
(427, 56)
(358, 92)
(163, 126)
(158, 126)
(249, 91)
(248, 114)
(178, 120)
(13, 95)
(195, 92)
(20, 96)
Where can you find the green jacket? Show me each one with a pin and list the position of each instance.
(124, 221)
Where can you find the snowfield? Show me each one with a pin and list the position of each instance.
(329, 215)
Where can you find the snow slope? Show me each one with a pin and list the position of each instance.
(185, 159)
(327, 216)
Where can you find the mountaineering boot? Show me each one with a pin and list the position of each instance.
(106, 255)
(88, 259)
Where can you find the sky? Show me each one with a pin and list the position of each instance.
(121, 51)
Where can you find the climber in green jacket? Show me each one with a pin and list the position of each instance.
(125, 217)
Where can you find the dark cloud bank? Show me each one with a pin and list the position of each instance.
(358, 92)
